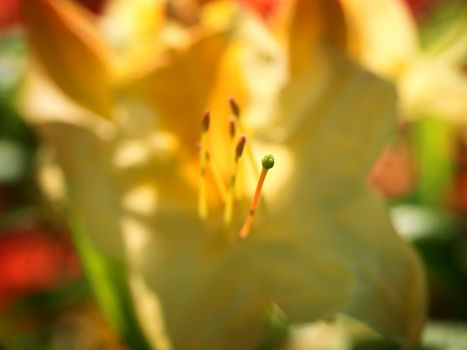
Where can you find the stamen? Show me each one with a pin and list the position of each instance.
(234, 107)
(204, 160)
(267, 163)
(236, 112)
(231, 192)
(232, 133)
(239, 148)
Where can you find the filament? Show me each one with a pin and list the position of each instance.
(204, 160)
(228, 213)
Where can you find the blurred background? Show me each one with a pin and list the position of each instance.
(45, 299)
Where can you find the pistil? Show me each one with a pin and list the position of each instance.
(267, 163)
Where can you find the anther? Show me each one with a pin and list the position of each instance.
(240, 147)
(236, 112)
(267, 163)
(232, 128)
(234, 107)
(206, 121)
(231, 191)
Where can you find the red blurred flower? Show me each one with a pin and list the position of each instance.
(265, 8)
(33, 261)
(420, 8)
(9, 13)
(393, 173)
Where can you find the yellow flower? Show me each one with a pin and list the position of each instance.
(125, 123)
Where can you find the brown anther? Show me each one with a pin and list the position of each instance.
(205, 121)
(234, 107)
(232, 127)
(240, 147)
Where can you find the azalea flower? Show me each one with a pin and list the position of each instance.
(32, 262)
(165, 192)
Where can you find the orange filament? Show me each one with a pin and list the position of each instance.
(268, 163)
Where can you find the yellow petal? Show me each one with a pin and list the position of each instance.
(301, 25)
(179, 88)
(336, 120)
(41, 101)
(133, 28)
(216, 295)
(87, 163)
(389, 293)
(71, 50)
(382, 34)
(208, 298)
(432, 87)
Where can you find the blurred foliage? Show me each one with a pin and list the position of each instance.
(445, 255)
(17, 141)
(27, 323)
(277, 334)
(12, 65)
(443, 21)
(432, 143)
(62, 319)
(63, 316)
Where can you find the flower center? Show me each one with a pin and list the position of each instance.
(228, 189)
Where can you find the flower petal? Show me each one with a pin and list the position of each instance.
(382, 34)
(305, 283)
(337, 120)
(313, 23)
(389, 292)
(71, 50)
(208, 296)
(133, 28)
(421, 88)
(86, 161)
(300, 25)
(179, 88)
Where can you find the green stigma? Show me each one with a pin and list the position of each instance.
(268, 161)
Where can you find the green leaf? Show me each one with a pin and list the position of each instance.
(432, 143)
(109, 283)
